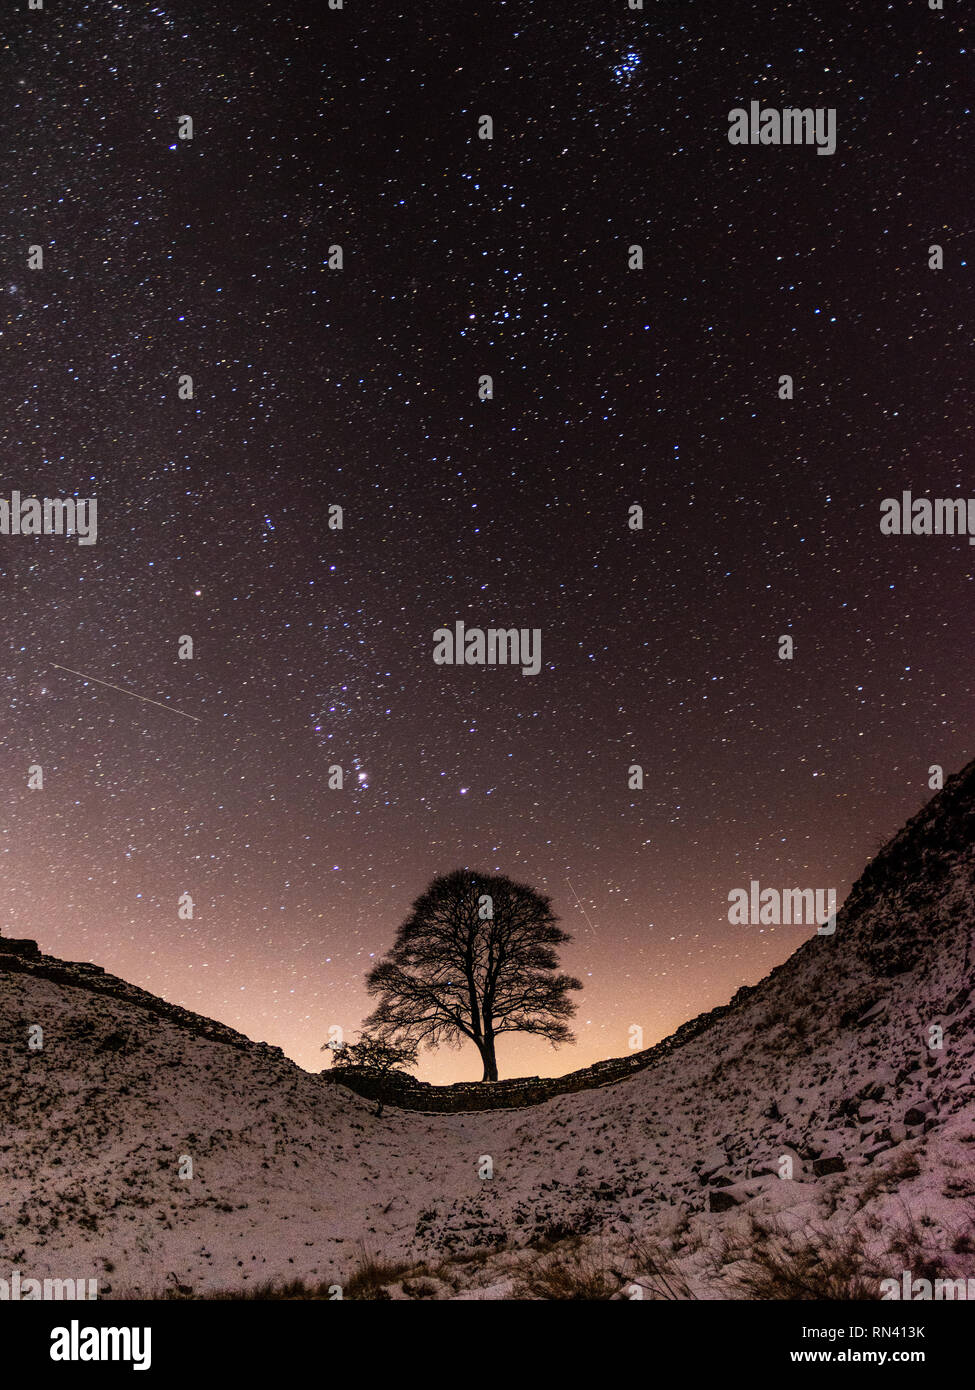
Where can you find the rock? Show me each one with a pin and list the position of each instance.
(960, 999)
(875, 1085)
(871, 1154)
(722, 1199)
(711, 1162)
(823, 1166)
(18, 946)
(919, 1112)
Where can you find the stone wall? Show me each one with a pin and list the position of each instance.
(406, 1093)
(397, 1089)
(18, 946)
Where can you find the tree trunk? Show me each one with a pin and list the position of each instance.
(488, 1058)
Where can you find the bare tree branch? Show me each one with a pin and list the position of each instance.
(476, 957)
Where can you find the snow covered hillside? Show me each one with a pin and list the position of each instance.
(850, 1067)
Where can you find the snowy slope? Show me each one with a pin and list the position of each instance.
(829, 1058)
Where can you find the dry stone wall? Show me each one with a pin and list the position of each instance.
(406, 1093)
(19, 956)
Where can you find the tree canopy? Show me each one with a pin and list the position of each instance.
(475, 958)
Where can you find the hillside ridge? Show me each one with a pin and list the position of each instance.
(136, 1141)
(407, 1092)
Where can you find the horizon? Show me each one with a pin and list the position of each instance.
(446, 1065)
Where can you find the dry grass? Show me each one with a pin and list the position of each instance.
(570, 1271)
(367, 1282)
(888, 1178)
(656, 1271)
(295, 1289)
(770, 1264)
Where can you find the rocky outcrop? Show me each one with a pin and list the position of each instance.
(18, 946)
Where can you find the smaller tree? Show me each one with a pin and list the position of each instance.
(372, 1056)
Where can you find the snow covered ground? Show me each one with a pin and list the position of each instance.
(828, 1066)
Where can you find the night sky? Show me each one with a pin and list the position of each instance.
(359, 388)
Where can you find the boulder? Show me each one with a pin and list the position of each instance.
(18, 946)
(824, 1166)
(721, 1179)
(871, 1154)
(723, 1199)
(712, 1161)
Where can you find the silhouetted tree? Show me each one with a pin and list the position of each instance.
(475, 958)
(376, 1056)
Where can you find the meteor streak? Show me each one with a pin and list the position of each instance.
(135, 695)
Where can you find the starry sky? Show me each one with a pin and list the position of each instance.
(315, 387)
